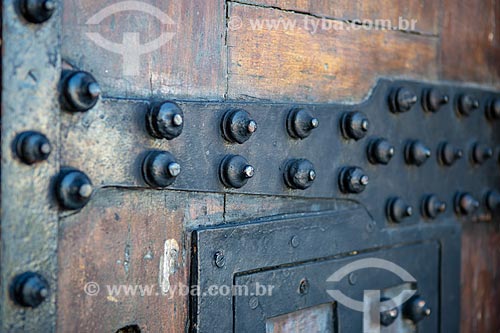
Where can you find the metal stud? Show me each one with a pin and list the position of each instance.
(165, 121)
(79, 91)
(299, 174)
(29, 289)
(160, 169)
(492, 200)
(300, 123)
(390, 314)
(402, 100)
(73, 189)
(465, 204)
(398, 210)
(432, 207)
(416, 309)
(237, 126)
(235, 171)
(352, 180)
(37, 11)
(32, 147)
(449, 154)
(416, 153)
(493, 109)
(354, 125)
(433, 99)
(466, 104)
(380, 151)
(481, 153)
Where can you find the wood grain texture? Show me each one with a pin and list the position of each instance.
(470, 41)
(280, 63)
(426, 12)
(136, 239)
(480, 278)
(191, 64)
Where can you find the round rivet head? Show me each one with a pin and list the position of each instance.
(416, 153)
(466, 104)
(402, 100)
(493, 109)
(432, 207)
(165, 121)
(492, 200)
(37, 11)
(32, 147)
(354, 125)
(398, 210)
(465, 204)
(299, 174)
(237, 126)
(235, 171)
(380, 151)
(29, 289)
(353, 180)
(416, 309)
(73, 189)
(301, 123)
(79, 91)
(433, 99)
(389, 313)
(448, 154)
(160, 169)
(481, 153)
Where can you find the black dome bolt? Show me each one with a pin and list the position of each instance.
(237, 126)
(32, 147)
(235, 171)
(416, 153)
(432, 207)
(380, 151)
(37, 11)
(299, 174)
(389, 316)
(398, 210)
(402, 100)
(493, 109)
(300, 123)
(416, 309)
(466, 104)
(79, 91)
(481, 153)
(433, 99)
(353, 180)
(160, 169)
(493, 201)
(449, 154)
(73, 189)
(465, 204)
(29, 289)
(354, 125)
(165, 121)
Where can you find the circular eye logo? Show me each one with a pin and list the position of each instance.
(131, 48)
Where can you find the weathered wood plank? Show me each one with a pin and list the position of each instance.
(329, 65)
(425, 12)
(190, 64)
(134, 239)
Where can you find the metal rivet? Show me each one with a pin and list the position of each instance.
(300, 123)
(416, 153)
(402, 100)
(433, 99)
(79, 91)
(29, 289)
(465, 204)
(160, 169)
(165, 121)
(449, 154)
(493, 109)
(416, 309)
(234, 171)
(432, 207)
(219, 259)
(237, 126)
(37, 11)
(380, 151)
(492, 200)
(353, 180)
(398, 210)
(354, 125)
(303, 287)
(299, 174)
(32, 147)
(481, 153)
(73, 189)
(390, 314)
(466, 104)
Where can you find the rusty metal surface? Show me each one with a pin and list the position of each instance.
(30, 74)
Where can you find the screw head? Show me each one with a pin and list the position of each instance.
(32, 147)
(249, 171)
(29, 289)
(79, 91)
(219, 259)
(299, 174)
(303, 287)
(165, 121)
(300, 123)
(237, 126)
(37, 11)
(73, 189)
(354, 125)
(234, 171)
(160, 169)
(353, 180)
(402, 100)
